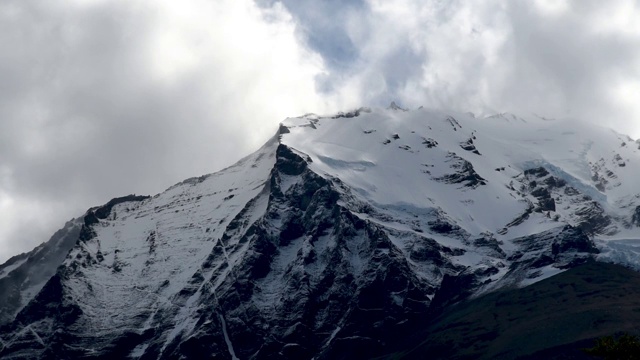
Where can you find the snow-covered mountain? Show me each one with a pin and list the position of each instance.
(336, 239)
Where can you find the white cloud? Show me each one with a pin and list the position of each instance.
(558, 58)
(103, 99)
(552, 7)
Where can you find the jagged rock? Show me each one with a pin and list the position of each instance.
(351, 114)
(395, 106)
(469, 146)
(429, 143)
(465, 173)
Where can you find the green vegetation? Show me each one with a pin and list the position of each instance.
(625, 347)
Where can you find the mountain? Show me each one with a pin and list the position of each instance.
(343, 237)
(552, 319)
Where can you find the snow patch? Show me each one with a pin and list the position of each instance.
(5, 271)
(623, 251)
(138, 351)
(227, 339)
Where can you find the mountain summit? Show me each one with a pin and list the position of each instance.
(340, 238)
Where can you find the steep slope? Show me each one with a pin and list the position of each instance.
(24, 275)
(336, 239)
(536, 322)
(137, 257)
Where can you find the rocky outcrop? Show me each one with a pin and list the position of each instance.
(464, 173)
(578, 209)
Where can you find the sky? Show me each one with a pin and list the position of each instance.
(100, 99)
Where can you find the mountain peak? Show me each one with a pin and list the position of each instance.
(394, 106)
(339, 238)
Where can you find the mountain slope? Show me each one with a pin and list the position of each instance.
(338, 238)
(24, 275)
(552, 319)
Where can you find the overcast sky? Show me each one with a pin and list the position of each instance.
(100, 98)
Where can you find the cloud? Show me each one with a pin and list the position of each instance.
(105, 98)
(576, 62)
(557, 58)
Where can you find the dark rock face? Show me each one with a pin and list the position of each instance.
(594, 218)
(547, 189)
(603, 177)
(429, 143)
(351, 114)
(541, 182)
(453, 289)
(557, 246)
(454, 123)
(103, 211)
(635, 218)
(283, 130)
(545, 201)
(464, 173)
(537, 172)
(469, 146)
(288, 162)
